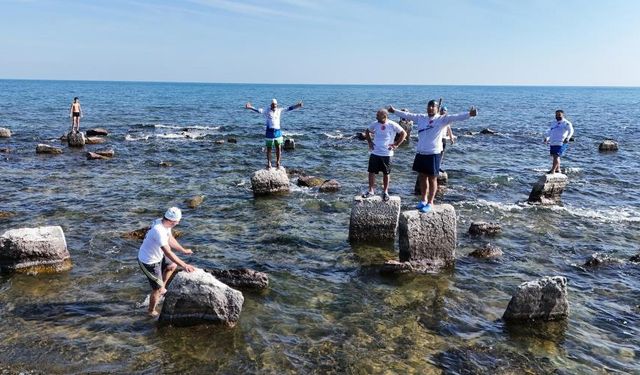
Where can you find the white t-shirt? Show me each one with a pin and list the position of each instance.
(383, 136)
(431, 129)
(150, 251)
(559, 131)
(272, 118)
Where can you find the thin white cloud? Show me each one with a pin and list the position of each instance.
(242, 8)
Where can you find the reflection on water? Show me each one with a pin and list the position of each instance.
(327, 308)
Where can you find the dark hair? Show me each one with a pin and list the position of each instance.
(433, 103)
(559, 110)
(76, 98)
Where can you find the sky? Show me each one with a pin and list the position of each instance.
(453, 42)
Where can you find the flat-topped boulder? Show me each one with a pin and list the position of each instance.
(76, 139)
(97, 132)
(543, 299)
(428, 237)
(199, 298)
(479, 228)
(289, 144)
(330, 186)
(95, 140)
(5, 133)
(243, 278)
(548, 189)
(34, 250)
(487, 251)
(373, 219)
(270, 181)
(47, 149)
(310, 181)
(608, 145)
(101, 154)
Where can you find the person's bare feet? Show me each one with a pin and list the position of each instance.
(153, 314)
(268, 165)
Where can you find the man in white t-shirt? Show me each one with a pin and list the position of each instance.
(381, 147)
(431, 129)
(273, 134)
(558, 136)
(155, 257)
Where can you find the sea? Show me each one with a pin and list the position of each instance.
(327, 308)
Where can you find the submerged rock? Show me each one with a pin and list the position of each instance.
(480, 359)
(635, 258)
(95, 140)
(289, 144)
(488, 131)
(34, 250)
(47, 149)
(608, 145)
(270, 181)
(165, 164)
(361, 136)
(479, 228)
(100, 154)
(487, 251)
(6, 214)
(76, 139)
(428, 237)
(5, 150)
(310, 181)
(199, 298)
(232, 140)
(5, 133)
(330, 186)
(394, 267)
(543, 299)
(97, 132)
(139, 234)
(195, 201)
(406, 125)
(242, 278)
(597, 259)
(373, 219)
(548, 189)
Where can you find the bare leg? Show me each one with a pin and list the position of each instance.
(153, 301)
(372, 182)
(78, 123)
(433, 187)
(278, 152)
(385, 183)
(268, 157)
(558, 164)
(168, 272)
(555, 164)
(424, 186)
(73, 123)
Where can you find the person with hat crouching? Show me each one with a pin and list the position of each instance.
(156, 259)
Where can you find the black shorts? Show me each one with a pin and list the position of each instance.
(379, 164)
(154, 272)
(76, 114)
(427, 164)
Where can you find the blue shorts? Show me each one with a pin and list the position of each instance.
(427, 164)
(558, 150)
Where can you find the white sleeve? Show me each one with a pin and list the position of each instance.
(407, 115)
(372, 127)
(570, 130)
(457, 117)
(396, 127)
(260, 110)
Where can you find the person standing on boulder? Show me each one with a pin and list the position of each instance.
(156, 259)
(381, 147)
(75, 113)
(273, 134)
(558, 136)
(431, 129)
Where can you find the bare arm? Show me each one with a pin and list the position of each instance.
(367, 136)
(174, 244)
(403, 136)
(450, 135)
(174, 258)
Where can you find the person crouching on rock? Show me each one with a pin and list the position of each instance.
(156, 259)
(273, 134)
(431, 129)
(381, 147)
(558, 136)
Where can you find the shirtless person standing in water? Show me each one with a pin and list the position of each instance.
(75, 112)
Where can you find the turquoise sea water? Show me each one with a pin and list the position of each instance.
(327, 308)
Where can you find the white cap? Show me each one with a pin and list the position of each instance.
(173, 214)
(274, 101)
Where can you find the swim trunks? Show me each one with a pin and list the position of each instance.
(379, 163)
(154, 272)
(427, 164)
(76, 114)
(558, 150)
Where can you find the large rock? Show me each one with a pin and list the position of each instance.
(373, 219)
(194, 202)
(479, 228)
(34, 250)
(289, 144)
(608, 145)
(406, 125)
(46, 149)
(95, 140)
(544, 299)
(428, 237)
(97, 132)
(76, 139)
(199, 298)
(330, 186)
(487, 251)
(5, 133)
(597, 260)
(310, 181)
(270, 181)
(243, 278)
(548, 189)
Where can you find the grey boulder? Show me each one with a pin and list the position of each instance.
(543, 299)
(270, 181)
(46, 149)
(5, 133)
(608, 145)
(34, 250)
(548, 189)
(479, 228)
(76, 139)
(242, 278)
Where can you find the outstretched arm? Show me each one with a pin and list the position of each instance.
(174, 258)
(295, 106)
(403, 114)
(250, 107)
(473, 112)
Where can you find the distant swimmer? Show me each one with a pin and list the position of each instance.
(448, 137)
(273, 134)
(431, 129)
(558, 136)
(381, 147)
(156, 259)
(75, 113)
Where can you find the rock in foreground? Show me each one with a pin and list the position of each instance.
(479, 228)
(270, 181)
(548, 189)
(373, 219)
(544, 299)
(199, 298)
(243, 278)
(34, 250)
(428, 237)
(5, 133)
(76, 139)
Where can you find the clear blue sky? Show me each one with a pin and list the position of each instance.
(520, 42)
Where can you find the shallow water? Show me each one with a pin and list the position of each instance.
(327, 308)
